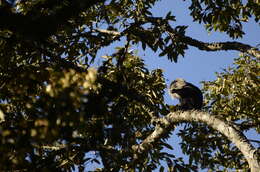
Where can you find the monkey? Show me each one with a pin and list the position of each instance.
(190, 96)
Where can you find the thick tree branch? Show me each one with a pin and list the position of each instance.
(218, 46)
(164, 125)
(35, 26)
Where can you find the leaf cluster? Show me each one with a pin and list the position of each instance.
(54, 116)
(235, 94)
(225, 15)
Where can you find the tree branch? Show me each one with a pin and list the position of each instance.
(38, 26)
(165, 124)
(215, 46)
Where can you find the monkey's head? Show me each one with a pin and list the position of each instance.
(189, 95)
(176, 87)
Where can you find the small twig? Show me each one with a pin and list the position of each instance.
(110, 32)
(256, 141)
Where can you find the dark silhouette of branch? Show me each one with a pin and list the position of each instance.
(218, 46)
(205, 46)
(215, 46)
(33, 26)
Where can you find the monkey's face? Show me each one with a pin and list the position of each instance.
(176, 87)
(178, 84)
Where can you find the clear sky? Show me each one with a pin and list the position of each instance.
(197, 65)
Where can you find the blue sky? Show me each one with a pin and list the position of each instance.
(197, 65)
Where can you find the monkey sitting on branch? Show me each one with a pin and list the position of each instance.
(190, 96)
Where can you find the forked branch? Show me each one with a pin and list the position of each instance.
(164, 124)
